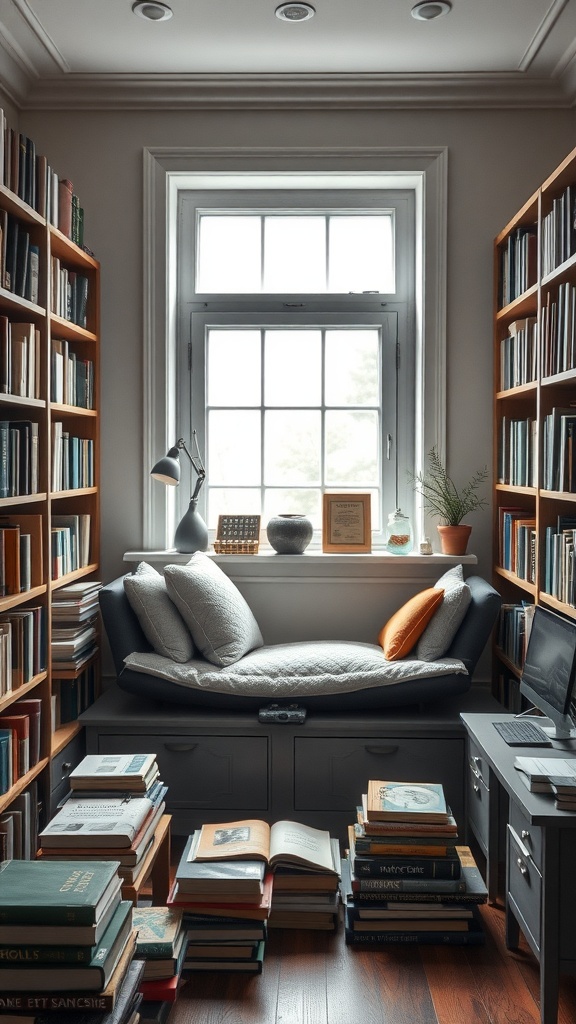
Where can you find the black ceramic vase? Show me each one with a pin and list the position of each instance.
(289, 534)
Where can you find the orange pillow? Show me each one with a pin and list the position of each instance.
(399, 635)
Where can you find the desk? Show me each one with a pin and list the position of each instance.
(540, 851)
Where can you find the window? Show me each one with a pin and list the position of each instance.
(296, 347)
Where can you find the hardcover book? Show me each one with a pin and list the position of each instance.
(134, 772)
(406, 801)
(235, 878)
(58, 892)
(469, 888)
(127, 1001)
(109, 823)
(158, 930)
(285, 843)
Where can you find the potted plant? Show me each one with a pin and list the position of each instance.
(451, 504)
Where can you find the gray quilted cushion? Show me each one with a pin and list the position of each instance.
(219, 619)
(160, 620)
(442, 628)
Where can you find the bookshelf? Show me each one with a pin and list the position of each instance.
(534, 525)
(49, 463)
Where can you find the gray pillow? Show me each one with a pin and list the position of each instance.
(443, 625)
(219, 619)
(160, 620)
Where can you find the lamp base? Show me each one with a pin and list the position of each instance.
(191, 533)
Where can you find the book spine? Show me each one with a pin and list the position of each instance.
(402, 850)
(35, 956)
(472, 938)
(407, 867)
(41, 1001)
(385, 885)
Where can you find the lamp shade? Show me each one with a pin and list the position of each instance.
(167, 469)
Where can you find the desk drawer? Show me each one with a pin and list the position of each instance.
(477, 763)
(478, 807)
(332, 774)
(213, 772)
(529, 835)
(65, 760)
(524, 888)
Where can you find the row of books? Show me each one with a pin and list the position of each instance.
(517, 542)
(20, 360)
(558, 330)
(22, 646)
(70, 538)
(406, 878)
(72, 694)
(560, 560)
(519, 354)
(19, 825)
(518, 265)
(72, 378)
(517, 452)
(29, 175)
(559, 231)
(514, 625)
(19, 258)
(68, 293)
(72, 460)
(19, 458)
(559, 449)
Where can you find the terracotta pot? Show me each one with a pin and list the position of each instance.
(454, 539)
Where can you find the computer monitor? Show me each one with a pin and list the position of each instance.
(550, 670)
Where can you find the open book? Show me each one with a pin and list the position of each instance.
(285, 843)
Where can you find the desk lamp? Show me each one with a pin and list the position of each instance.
(191, 533)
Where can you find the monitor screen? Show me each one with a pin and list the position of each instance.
(550, 666)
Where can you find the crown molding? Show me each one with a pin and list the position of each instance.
(295, 92)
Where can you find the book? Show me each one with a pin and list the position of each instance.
(396, 866)
(134, 772)
(127, 1001)
(112, 822)
(472, 936)
(18, 973)
(103, 1001)
(537, 773)
(161, 989)
(402, 845)
(253, 966)
(255, 910)
(406, 801)
(470, 888)
(48, 893)
(158, 929)
(208, 928)
(233, 878)
(284, 843)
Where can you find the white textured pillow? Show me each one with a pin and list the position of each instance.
(443, 626)
(219, 619)
(161, 622)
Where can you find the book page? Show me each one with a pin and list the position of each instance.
(293, 843)
(248, 839)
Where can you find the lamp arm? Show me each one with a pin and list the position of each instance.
(196, 463)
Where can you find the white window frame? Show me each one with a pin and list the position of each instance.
(168, 170)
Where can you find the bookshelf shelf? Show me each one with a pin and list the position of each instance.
(40, 265)
(538, 245)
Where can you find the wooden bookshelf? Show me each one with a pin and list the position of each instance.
(535, 393)
(42, 406)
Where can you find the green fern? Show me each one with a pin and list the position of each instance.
(441, 496)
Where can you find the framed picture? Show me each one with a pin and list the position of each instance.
(346, 523)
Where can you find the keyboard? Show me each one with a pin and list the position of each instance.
(522, 734)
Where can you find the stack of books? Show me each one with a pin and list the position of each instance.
(306, 864)
(556, 776)
(112, 812)
(405, 878)
(66, 942)
(161, 943)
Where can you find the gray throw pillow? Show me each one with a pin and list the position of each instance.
(218, 617)
(443, 626)
(160, 620)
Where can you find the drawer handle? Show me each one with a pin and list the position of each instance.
(66, 768)
(180, 748)
(526, 837)
(476, 787)
(521, 866)
(392, 749)
(474, 767)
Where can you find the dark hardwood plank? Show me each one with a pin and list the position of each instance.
(388, 983)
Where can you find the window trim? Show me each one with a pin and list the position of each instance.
(167, 170)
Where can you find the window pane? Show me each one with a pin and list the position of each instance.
(352, 367)
(294, 254)
(351, 446)
(292, 448)
(361, 254)
(292, 368)
(239, 501)
(229, 254)
(292, 500)
(234, 448)
(233, 367)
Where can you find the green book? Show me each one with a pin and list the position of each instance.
(56, 892)
(36, 954)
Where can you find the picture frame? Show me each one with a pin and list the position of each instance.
(347, 523)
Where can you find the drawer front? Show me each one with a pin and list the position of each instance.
(524, 888)
(203, 771)
(67, 759)
(477, 763)
(332, 774)
(478, 807)
(529, 835)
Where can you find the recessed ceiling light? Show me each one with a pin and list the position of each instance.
(428, 11)
(295, 12)
(151, 10)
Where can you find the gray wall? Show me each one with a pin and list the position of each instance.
(496, 160)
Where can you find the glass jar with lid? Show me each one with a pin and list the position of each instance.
(399, 536)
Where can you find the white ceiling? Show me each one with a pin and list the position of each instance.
(79, 53)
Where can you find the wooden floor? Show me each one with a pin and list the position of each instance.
(314, 978)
